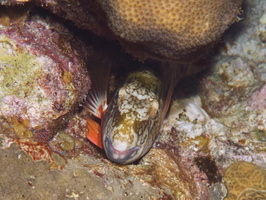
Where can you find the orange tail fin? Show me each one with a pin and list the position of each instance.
(94, 133)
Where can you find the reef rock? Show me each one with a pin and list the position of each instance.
(42, 74)
(161, 169)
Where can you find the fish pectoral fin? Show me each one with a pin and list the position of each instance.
(96, 102)
(95, 106)
(172, 73)
(94, 133)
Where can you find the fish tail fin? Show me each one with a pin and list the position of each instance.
(96, 102)
(94, 133)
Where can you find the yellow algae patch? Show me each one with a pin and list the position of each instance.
(20, 127)
(22, 131)
(67, 77)
(200, 143)
(245, 180)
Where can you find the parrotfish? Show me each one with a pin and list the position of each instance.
(131, 120)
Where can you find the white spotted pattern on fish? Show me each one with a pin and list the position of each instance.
(132, 120)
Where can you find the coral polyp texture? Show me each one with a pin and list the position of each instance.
(245, 180)
(43, 78)
(174, 29)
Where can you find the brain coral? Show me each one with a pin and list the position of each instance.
(169, 29)
(245, 180)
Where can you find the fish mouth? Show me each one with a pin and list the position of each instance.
(117, 156)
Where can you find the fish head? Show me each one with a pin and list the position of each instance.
(130, 127)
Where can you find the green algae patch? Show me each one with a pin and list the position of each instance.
(19, 70)
(261, 135)
(62, 142)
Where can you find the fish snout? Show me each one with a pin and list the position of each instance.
(118, 154)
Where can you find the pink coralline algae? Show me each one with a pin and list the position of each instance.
(258, 99)
(43, 76)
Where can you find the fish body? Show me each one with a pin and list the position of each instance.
(133, 118)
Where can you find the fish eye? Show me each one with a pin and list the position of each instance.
(120, 93)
